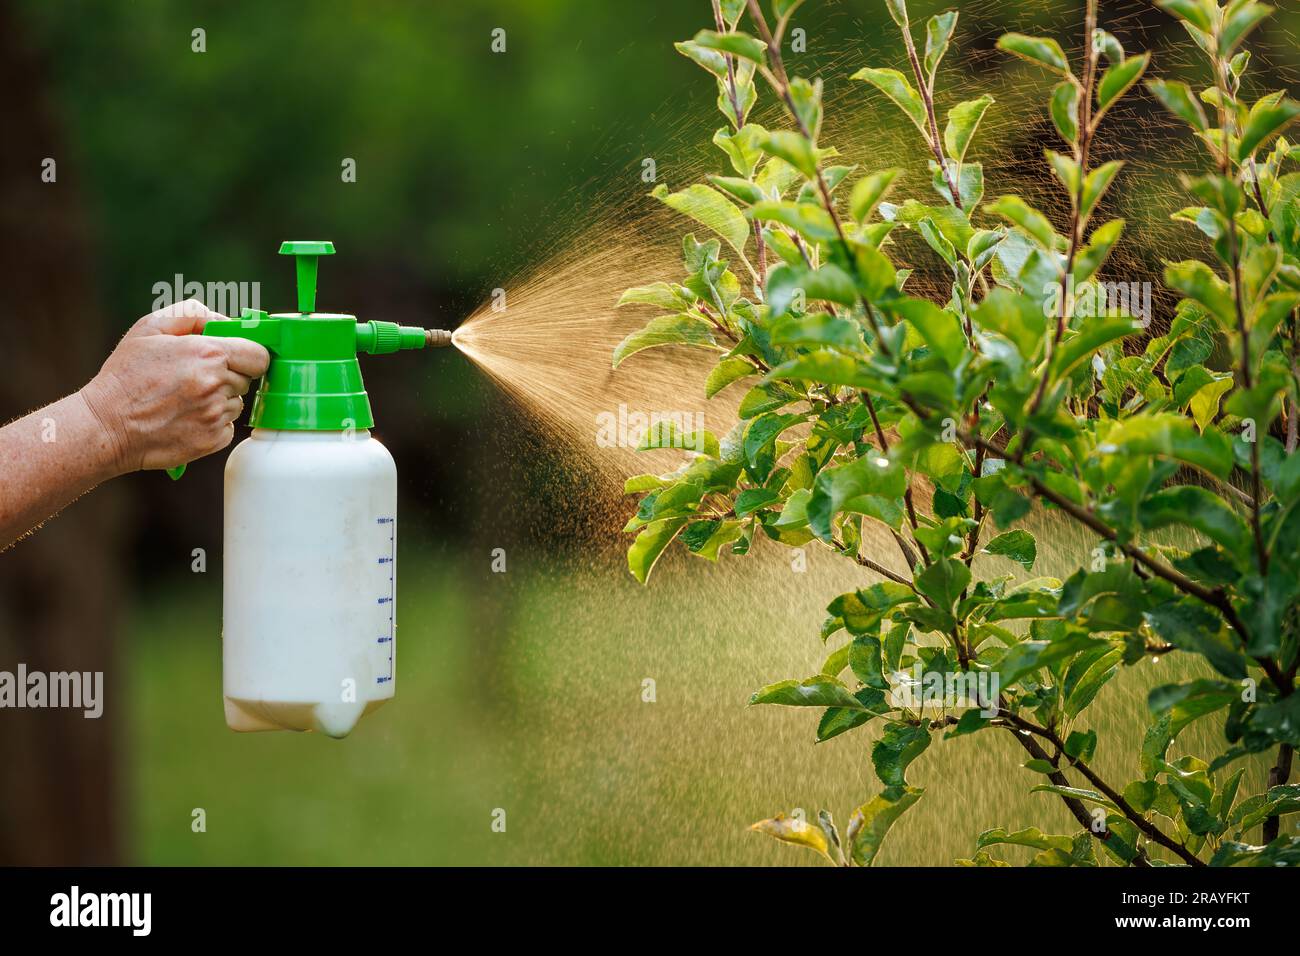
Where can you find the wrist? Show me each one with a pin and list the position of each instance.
(102, 398)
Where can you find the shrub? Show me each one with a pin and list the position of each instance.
(947, 422)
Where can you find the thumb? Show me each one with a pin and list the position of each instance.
(180, 318)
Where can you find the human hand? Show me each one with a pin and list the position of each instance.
(168, 394)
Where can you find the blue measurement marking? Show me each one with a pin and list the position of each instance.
(389, 559)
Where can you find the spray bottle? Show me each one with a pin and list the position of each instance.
(310, 561)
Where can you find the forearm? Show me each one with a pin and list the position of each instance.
(50, 458)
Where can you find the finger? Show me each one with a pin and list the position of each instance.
(244, 356)
(233, 409)
(234, 384)
(227, 435)
(180, 318)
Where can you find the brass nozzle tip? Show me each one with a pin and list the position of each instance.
(437, 338)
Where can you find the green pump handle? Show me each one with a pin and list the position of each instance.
(313, 382)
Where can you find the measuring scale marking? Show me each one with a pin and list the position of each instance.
(390, 559)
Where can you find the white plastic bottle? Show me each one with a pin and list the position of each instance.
(310, 561)
(310, 580)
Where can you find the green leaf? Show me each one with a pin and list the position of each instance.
(871, 821)
(1016, 210)
(650, 544)
(1184, 703)
(951, 222)
(1118, 79)
(725, 372)
(1081, 746)
(1170, 436)
(1108, 45)
(666, 330)
(1179, 99)
(1239, 19)
(1065, 110)
(738, 44)
(1266, 119)
(661, 294)
(1082, 345)
(710, 208)
(1066, 170)
(828, 368)
(1198, 282)
(1098, 672)
(704, 538)
(940, 329)
(865, 661)
(793, 148)
(741, 189)
(760, 436)
(877, 276)
(818, 329)
(1190, 626)
(752, 499)
(1199, 13)
(943, 582)
(639, 483)
(837, 720)
(665, 433)
(896, 86)
(811, 222)
(1017, 545)
(1030, 837)
(710, 59)
(743, 147)
(938, 34)
(1018, 317)
(1043, 51)
(898, 10)
(861, 611)
(817, 691)
(868, 192)
(849, 487)
(1096, 184)
(1257, 809)
(897, 747)
(830, 283)
(1093, 256)
(1078, 793)
(766, 397)
(1028, 656)
(963, 120)
(1198, 508)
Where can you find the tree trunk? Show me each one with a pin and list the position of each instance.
(59, 588)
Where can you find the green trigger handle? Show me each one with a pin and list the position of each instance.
(306, 340)
(314, 380)
(252, 324)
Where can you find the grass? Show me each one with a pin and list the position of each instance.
(525, 692)
(414, 784)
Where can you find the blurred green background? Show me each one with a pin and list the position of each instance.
(518, 691)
